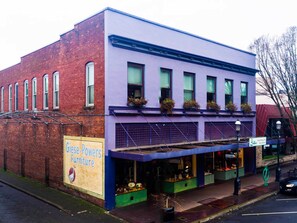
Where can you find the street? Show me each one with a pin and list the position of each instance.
(278, 208)
(18, 207)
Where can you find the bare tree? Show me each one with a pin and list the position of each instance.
(277, 76)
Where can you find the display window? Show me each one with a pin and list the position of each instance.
(226, 160)
(208, 163)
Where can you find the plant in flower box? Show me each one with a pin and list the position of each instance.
(191, 105)
(246, 108)
(231, 107)
(213, 106)
(136, 102)
(167, 105)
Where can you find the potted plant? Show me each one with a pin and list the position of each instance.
(191, 105)
(136, 102)
(231, 107)
(246, 108)
(213, 106)
(167, 105)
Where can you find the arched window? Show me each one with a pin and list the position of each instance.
(34, 93)
(45, 91)
(2, 99)
(16, 96)
(56, 90)
(26, 95)
(10, 98)
(90, 84)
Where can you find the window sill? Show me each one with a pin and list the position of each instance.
(89, 107)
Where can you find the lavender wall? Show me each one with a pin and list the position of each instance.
(116, 70)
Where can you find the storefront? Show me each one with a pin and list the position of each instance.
(140, 173)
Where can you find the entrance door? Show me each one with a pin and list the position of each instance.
(249, 160)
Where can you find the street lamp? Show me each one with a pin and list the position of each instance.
(237, 179)
(278, 169)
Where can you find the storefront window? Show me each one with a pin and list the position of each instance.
(226, 160)
(208, 163)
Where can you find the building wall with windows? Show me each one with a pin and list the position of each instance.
(81, 85)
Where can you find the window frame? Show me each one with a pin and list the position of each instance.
(45, 92)
(163, 90)
(208, 94)
(193, 83)
(26, 95)
(10, 98)
(34, 93)
(230, 96)
(244, 99)
(2, 99)
(131, 88)
(56, 101)
(89, 86)
(16, 96)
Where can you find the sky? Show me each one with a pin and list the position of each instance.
(28, 25)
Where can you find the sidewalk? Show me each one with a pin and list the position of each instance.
(197, 205)
(67, 203)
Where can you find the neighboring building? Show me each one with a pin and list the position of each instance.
(66, 122)
(267, 116)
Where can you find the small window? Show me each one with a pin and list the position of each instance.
(211, 89)
(165, 84)
(56, 90)
(10, 98)
(135, 80)
(90, 84)
(34, 93)
(26, 95)
(16, 96)
(45, 91)
(2, 99)
(244, 92)
(228, 91)
(189, 87)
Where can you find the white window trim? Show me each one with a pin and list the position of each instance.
(10, 98)
(26, 96)
(16, 96)
(45, 91)
(2, 99)
(55, 78)
(87, 82)
(34, 93)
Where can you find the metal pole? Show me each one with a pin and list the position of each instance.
(278, 170)
(237, 179)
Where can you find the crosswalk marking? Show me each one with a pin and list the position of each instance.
(270, 213)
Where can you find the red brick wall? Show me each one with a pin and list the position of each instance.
(36, 140)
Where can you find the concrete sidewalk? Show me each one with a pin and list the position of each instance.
(197, 205)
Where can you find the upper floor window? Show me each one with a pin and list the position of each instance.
(244, 92)
(189, 87)
(165, 84)
(228, 91)
(90, 84)
(56, 90)
(16, 96)
(45, 91)
(135, 80)
(34, 93)
(211, 89)
(2, 99)
(10, 98)
(26, 95)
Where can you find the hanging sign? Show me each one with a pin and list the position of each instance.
(257, 141)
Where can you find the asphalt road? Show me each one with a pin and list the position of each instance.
(275, 209)
(18, 207)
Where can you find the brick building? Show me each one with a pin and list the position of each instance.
(69, 117)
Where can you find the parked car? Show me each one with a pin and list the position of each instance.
(288, 185)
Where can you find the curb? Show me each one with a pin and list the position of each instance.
(235, 207)
(36, 196)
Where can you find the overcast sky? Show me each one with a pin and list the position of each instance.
(27, 25)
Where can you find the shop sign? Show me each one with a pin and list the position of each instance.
(257, 141)
(83, 164)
